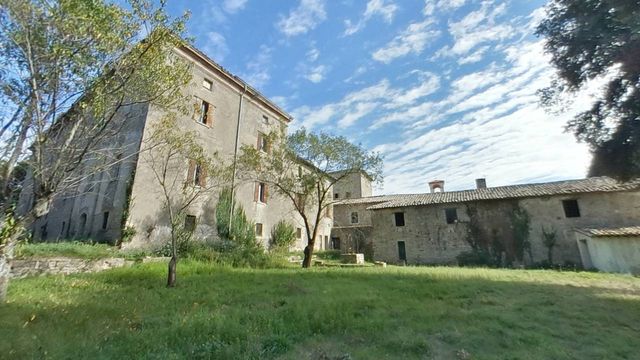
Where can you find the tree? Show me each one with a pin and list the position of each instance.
(283, 235)
(303, 167)
(69, 70)
(171, 153)
(591, 39)
(549, 241)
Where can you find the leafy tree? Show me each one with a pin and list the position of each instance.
(241, 231)
(303, 167)
(590, 39)
(549, 239)
(170, 153)
(283, 235)
(68, 70)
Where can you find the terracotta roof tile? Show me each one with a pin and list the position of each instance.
(567, 187)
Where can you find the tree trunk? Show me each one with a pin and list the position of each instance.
(550, 255)
(171, 278)
(6, 255)
(306, 262)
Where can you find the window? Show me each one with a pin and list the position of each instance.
(105, 220)
(335, 243)
(571, 208)
(265, 119)
(197, 174)
(263, 142)
(347, 195)
(326, 240)
(261, 193)
(299, 171)
(190, 223)
(258, 229)
(399, 216)
(206, 84)
(354, 217)
(298, 233)
(451, 215)
(204, 113)
(335, 196)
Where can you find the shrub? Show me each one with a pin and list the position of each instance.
(477, 257)
(328, 254)
(283, 235)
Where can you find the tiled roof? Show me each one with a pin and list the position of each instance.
(621, 231)
(595, 184)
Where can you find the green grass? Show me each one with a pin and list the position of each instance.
(73, 249)
(325, 313)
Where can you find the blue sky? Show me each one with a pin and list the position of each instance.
(443, 89)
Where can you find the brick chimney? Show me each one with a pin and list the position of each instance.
(436, 186)
(481, 183)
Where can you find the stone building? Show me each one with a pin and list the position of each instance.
(436, 227)
(229, 113)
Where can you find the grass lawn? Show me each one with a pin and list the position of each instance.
(73, 249)
(325, 313)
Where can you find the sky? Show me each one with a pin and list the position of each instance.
(442, 89)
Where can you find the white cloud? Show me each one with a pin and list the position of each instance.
(216, 46)
(473, 57)
(313, 54)
(233, 6)
(316, 74)
(382, 8)
(411, 40)
(302, 19)
(443, 5)
(257, 74)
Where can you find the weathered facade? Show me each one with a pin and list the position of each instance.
(610, 249)
(436, 227)
(127, 196)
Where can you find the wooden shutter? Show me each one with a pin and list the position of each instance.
(203, 176)
(209, 120)
(191, 172)
(256, 192)
(259, 141)
(266, 193)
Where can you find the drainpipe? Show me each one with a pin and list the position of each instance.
(235, 156)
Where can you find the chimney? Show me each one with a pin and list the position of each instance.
(436, 186)
(481, 183)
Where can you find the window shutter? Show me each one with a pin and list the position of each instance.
(203, 176)
(256, 191)
(191, 172)
(209, 120)
(196, 109)
(266, 193)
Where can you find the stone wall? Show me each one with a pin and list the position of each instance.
(21, 268)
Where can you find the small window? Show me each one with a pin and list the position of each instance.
(263, 142)
(451, 215)
(197, 175)
(258, 229)
(204, 113)
(261, 192)
(347, 195)
(298, 233)
(190, 223)
(206, 84)
(265, 119)
(399, 216)
(354, 217)
(105, 220)
(571, 209)
(336, 196)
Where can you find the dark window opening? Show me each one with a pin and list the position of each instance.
(335, 196)
(571, 208)
(262, 192)
(451, 215)
(298, 233)
(197, 175)
(83, 223)
(263, 142)
(399, 216)
(265, 119)
(258, 229)
(105, 220)
(190, 223)
(354, 217)
(335, 243)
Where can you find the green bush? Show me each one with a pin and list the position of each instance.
(68, 249)
(328, 254)
(477, 257)
(283, 235)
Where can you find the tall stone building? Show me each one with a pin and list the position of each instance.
(229, 113)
